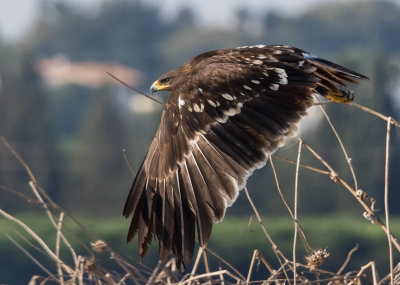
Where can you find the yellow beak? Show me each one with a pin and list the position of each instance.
(156, 86)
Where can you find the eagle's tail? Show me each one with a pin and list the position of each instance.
(332, 80)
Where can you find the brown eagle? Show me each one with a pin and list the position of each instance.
(227, 112)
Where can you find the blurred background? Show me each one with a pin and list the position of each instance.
(70, 121)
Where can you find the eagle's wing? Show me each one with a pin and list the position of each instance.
(217, 127)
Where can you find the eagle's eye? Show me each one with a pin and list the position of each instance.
(165, 80)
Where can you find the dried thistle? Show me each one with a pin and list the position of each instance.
(316, 258)
(372, 218)
(90, 266)
(99, 245)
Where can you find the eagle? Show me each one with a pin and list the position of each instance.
(227, 112)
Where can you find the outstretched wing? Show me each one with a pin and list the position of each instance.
(219, 125)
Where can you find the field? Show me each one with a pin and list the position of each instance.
(234, 239)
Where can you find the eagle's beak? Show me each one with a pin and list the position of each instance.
(156, 86)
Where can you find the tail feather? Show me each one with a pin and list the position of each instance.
(323, 63)
(332, 80)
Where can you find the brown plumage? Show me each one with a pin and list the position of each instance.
(227, 112)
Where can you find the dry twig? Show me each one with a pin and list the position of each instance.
(296, 185)
(335, 177)
(349, 255)
(386, 199)
(134, 89)
(38, 239)
(348, 160)
(375, 113)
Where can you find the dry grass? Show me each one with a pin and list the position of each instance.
(85, 269)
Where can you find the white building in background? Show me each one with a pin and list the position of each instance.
(59, 71)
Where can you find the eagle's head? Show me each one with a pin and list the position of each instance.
(164, 82)
(168, 80)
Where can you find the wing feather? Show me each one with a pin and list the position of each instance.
(203, 199)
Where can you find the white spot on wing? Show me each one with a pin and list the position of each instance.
(221, 120)
(280, 71)
(277, 51)
(233, 111)
(274, 86)
(181, 102)
(247, 87)
(283, 81)
(255, 81)
(211, 103)
(261, 56)
(301, 62)
(196, 107)
(273, 59)
(282, 75)
(200, 90)
(258, 62)
(227, 96)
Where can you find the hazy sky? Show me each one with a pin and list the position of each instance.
(17, 15)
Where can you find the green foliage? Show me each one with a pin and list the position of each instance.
(338, 234)
(25, 122)
(99, 150)
(69, 108)
(234, 239)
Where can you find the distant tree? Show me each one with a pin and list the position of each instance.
(98, 175)
(69, 108)
(333, 27)
(25, 123)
